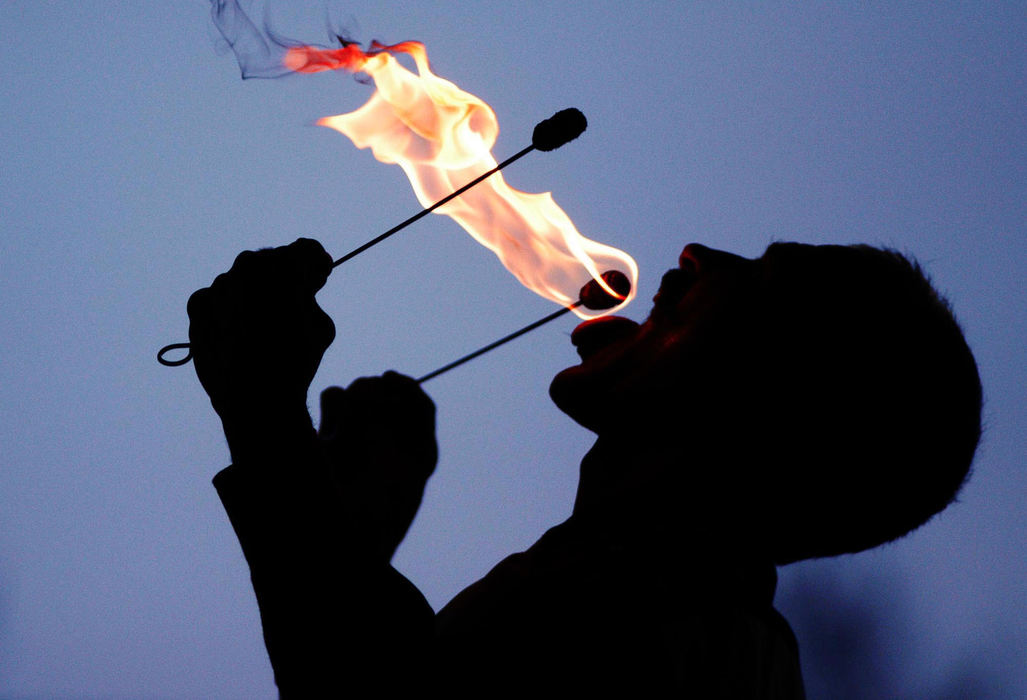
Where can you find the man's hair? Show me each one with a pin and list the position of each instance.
(877, 399)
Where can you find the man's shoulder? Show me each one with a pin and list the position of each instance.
(565, 604)
(510, 579)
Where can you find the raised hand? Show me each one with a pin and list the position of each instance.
(258, 337)
(378, 436)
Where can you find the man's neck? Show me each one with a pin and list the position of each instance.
(666, 498)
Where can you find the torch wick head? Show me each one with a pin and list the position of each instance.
(566, 125)
(594, 296)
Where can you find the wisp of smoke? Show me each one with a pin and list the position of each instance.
(259, 50)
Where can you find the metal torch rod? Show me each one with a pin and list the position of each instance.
(594, 295)
(428, 210)
(492, 346)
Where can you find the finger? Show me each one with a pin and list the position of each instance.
(393, 391)
(198, 305)
(391, 415)
(310, 263)
(199, 308)
(417, 412)
(333, 408)
(392, 375)
(244, 262)
(201, 325)
(218, 287)
(398, 401)
(410, 390)
(365, 390)
(248, 275)
(258, 275)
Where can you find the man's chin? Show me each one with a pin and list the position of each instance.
(585, 391)
(574, 394)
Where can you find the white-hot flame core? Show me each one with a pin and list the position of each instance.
(442, 138)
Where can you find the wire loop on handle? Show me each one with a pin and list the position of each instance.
(175, 346)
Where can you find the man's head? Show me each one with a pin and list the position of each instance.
(825, 392)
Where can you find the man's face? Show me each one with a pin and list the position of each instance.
(706, 316)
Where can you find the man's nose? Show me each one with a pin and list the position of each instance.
(703, 259)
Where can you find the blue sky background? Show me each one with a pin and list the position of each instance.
(135, 164)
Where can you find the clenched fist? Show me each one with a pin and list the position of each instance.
(258, 336)
(378, 436)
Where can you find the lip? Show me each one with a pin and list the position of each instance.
(675, 284)
(598, 333)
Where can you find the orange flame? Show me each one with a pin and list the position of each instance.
(442, 137)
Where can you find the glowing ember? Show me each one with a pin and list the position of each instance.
(442, 138)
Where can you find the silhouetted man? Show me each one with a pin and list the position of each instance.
(813, 401)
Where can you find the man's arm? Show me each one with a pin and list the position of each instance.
(318, 516)
(336, 616)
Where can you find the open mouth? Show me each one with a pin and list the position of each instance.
(675, 284)
(598, 333)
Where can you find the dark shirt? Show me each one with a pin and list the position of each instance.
(576, 613)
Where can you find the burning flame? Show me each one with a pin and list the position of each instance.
(442, 137)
